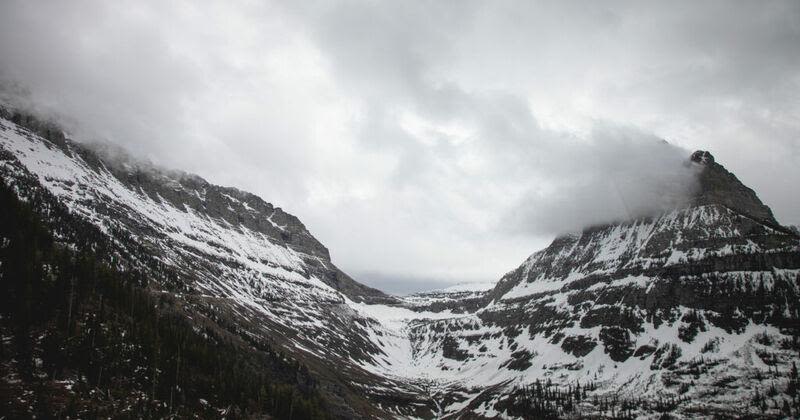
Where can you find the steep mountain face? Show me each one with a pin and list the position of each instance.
(81, 339)
(225, 254)
(693, 312)
(720, 187)
(697, 306)
(142, 199)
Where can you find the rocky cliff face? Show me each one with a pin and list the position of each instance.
(720, 187)
(693, 311)
(698, 306)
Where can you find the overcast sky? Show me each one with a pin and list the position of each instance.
(428, 143)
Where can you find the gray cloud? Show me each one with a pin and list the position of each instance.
(421, 140)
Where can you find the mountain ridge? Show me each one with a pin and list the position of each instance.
(237, 277)
(234, 206)
(675, 303)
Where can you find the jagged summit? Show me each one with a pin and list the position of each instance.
(718, 186)
(642, 304)
(702, 157)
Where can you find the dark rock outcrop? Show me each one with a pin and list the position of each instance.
(718, 186)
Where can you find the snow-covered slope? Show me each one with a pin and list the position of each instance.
(698, 306)
(694, 311)
(224, 252)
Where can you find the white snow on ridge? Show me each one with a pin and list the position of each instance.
(623, 246)
(80, 187)
(440, 349)
(467, 287)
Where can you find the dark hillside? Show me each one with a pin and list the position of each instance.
(83, 339)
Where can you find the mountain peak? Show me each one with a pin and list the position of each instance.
(702, 157)
(719, 186)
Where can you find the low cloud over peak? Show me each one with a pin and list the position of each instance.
(427, 140)
(620, 174)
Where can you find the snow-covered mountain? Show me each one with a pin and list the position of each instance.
(225, 253)
(692, 312)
